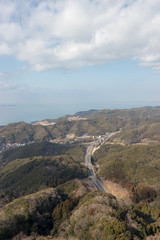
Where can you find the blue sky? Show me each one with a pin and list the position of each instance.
(80, 54)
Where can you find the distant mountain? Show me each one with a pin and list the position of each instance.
(46, 191)
(144, 134)
(85, 113)
(96, 123)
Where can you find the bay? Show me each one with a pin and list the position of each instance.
(31, 112)
(28, 113)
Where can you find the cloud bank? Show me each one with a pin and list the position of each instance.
(51, 34)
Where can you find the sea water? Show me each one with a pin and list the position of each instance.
(30, 113)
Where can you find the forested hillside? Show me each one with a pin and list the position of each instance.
(150, 133)
(76, 152)
(96, 123)
(136, 167)
(46, 191)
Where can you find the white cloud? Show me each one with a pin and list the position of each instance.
(65, 34)
(7, 86)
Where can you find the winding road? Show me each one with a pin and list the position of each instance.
(90, 150)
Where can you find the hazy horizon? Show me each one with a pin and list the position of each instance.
(78, 54)
(38, 112)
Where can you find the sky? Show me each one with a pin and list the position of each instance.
(80, 54)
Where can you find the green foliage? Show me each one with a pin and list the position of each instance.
(113, 228)
(135, 167)
(67, 189)
(97, 216)
(64, 208)
(97, 123)
(63, 211)
(156, 202)
(136, 164)
(77, 152)
(148, 133)
(25, 176)
(146, 209)
(120, 214)
(33, 212)
(147, 218)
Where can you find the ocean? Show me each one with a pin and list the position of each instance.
(30, 113)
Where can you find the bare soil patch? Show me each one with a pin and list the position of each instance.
(118, 191)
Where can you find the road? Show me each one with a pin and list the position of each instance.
(91, 148)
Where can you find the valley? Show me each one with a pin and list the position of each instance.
(95, 176)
